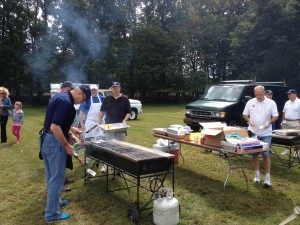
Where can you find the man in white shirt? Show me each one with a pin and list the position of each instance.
(291, 114)
(260, 112)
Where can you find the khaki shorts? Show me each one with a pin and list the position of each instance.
(295, 124)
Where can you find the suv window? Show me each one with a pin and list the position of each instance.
(224, 93)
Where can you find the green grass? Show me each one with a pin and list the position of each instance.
(198, 182)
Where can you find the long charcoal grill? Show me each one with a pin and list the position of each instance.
(289, 142)
(136, 161)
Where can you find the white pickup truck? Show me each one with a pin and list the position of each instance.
(136, 105)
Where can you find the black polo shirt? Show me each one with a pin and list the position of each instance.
(115, 109)
(60, 111)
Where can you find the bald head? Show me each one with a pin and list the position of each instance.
(259, 92)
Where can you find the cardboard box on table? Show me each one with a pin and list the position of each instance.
(213, 133)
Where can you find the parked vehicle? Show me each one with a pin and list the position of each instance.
(136, 105)
(226, 101)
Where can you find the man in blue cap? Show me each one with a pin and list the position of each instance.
(66, 86)
(55, 147)
(291, 114)
(116, 108)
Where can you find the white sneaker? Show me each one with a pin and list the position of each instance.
(104, 168)
(256, 178)
(286, 152)
(267, 182)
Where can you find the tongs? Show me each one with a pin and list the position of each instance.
(92, 128)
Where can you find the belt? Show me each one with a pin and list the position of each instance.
(292, 120)
(48, 131)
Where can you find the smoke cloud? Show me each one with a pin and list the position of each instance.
(85, 44)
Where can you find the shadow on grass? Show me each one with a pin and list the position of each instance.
(236, 199)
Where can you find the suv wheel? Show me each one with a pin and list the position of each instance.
(134, 114)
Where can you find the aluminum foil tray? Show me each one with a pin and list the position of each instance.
(114, 127)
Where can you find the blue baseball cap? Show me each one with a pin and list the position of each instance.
(86, 90)
(292, 91)
(68, 84)
(268, 92)
(116, 84)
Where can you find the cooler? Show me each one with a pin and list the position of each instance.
(172, 148)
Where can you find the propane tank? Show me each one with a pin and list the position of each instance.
(165, 208)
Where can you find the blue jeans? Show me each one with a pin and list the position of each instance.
(54, 155)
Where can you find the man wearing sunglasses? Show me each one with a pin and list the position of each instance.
(55, 146)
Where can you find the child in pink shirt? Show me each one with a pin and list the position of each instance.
(17, 120)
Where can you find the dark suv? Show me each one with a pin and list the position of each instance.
(226, 101)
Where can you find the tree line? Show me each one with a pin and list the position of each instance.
(153, 47)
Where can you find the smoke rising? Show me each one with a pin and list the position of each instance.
(74, 38)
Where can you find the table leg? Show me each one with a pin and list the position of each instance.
(181, 155)
(228, 170)
(243, 166)
(241, 160)
(290, 159)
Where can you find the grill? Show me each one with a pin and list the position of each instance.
(134, 159)
(286, 140)
(289, 142)
(138, 163)
(200, 114)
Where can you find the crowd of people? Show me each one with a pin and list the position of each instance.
(261, 113)
(17, 115)
(58, 134)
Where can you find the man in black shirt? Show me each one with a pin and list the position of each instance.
(116, 108)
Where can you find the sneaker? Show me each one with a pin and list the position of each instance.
(104, 168)
(64, 203)
(267, 183)
(256, 179)
(286, 152)
(60, 217)
(66, 188)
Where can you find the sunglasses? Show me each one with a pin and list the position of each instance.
(2, 93)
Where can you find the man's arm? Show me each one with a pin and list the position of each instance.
(283, 116)
(248, 120)
(101, 114)
(81, 119)
(126, 118)
(57, 132)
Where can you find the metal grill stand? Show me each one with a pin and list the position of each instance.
(132, 163)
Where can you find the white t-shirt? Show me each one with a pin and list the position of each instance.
(292, 109)
(260, 113)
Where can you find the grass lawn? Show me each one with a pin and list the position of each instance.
(198, 182)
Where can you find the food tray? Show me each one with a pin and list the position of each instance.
(114, 127)
(162, 131)
(181, 136)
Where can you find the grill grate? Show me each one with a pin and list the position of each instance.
(128, 151)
